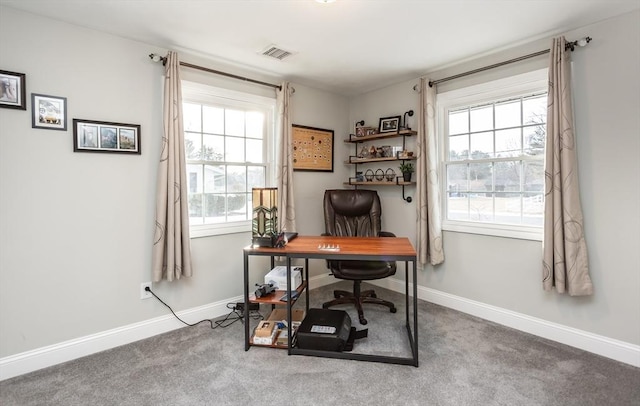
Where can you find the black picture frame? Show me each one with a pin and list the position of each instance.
(104, 136)
(13, 90)
(389, 124)
(312, 148)
(48, 112)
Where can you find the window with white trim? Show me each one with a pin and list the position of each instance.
(493, 138)
(229, 150)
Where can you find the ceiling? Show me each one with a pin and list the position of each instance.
(348, 47)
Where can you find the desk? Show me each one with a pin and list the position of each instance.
(357, 248)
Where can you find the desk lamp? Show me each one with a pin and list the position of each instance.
(264, 223)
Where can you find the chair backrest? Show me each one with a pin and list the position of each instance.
(352, 213)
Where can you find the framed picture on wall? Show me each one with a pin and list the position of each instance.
(101, 136)
(389, 125)
(13, 90)
(312, 149)
(48, 112)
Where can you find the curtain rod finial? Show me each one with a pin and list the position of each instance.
(156, 58)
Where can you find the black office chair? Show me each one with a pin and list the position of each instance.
(356, 213)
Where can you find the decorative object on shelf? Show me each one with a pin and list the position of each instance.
(379, 175)
(368, 175)
(373, 152)
(405, 154)
(13, 92)
(390, 174)
(389, 124)
(264, 223)
(405, 125)
(99, 136)
(407, 170)
(364, 152)
(48, 112)
(312, 149)
(358, 128)
(364, 131)
(386, 151)
(359, 176)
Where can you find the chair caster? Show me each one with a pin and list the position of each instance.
(393, 310)
(363, 321)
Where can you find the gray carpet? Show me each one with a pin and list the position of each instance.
(463, 361)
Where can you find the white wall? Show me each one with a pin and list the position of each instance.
(76, 228)
(506, 273)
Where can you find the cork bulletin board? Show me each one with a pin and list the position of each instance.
(312, 149)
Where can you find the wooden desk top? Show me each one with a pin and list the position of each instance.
(396, 248)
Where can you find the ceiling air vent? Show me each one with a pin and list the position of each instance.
(275, 52)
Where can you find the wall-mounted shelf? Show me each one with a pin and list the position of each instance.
(356, 160)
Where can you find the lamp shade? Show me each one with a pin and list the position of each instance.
(264, 223)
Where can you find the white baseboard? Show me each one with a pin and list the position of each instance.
(604, 346)
(29, 361)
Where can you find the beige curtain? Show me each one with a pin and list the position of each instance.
(565, 263)
(286, 205)
(171, 245)
(429, 227)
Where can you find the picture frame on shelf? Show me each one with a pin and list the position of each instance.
(13, 90)
(389, 124)
(102, 136)
(312, 148)
(48, 112)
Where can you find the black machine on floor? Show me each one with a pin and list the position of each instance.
(327, 330)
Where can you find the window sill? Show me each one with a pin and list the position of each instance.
(495, 230)
(209, 230)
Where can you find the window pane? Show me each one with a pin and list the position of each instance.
(192, 145)
(534, 139)
(508, 142)
(507, 176)
(534, 109)
(532, 209)
(255, 177)
(255, 124)
(481, 207)
(533, 177)
(236, 179)
(214, 179)
(254, 151)
(234, 149)
(459, 147)
(508, 208)
(237, 207)
(215, 208)
(481, 118)
(458, 206)
(213, 147)
(194, 178)
(482, 145)
(191, 115)
(457, 178)
(459, 122)
(508, 114)
(213, 120)
(234, 122)
(480, 178)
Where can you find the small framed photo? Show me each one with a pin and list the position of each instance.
(389, 125)
(100, 136)
(13, 90)
(48, 112)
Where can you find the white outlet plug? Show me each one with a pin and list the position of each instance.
(143, 293)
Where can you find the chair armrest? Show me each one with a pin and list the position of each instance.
(386, 234)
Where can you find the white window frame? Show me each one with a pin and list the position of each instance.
(527, 83)
(201, 93)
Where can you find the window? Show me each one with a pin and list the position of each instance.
(493, 161)
(229, 151)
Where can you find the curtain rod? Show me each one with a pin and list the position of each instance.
(568, 46)
(157, 58)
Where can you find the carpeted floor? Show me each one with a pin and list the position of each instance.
(463, 361)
